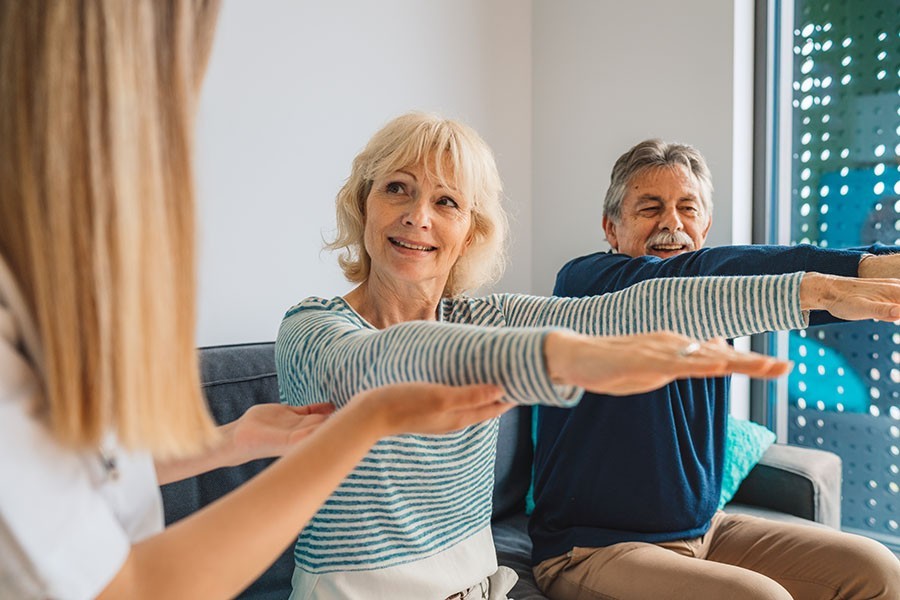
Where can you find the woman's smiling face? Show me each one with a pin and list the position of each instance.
(416, 227)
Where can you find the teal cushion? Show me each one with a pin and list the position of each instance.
(745, 444)
(529, 497)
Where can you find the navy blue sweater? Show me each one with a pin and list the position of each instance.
(646, 467)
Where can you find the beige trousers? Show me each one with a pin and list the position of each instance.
(740, 557)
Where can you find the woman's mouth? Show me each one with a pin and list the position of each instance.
(411, 245)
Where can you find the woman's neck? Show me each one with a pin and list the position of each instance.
(386, 305)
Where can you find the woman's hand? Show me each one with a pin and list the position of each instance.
(622, 365)
(270, 430)
(264, 431)
(429, 407)
(851, 298)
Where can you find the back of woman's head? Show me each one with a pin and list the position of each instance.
(451, 153)
(97, 210)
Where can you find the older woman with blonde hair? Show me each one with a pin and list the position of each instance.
(99, 390)
(408, 141)
(420, 222)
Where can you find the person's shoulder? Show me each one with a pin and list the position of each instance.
(594, 259)
(308, 321)
(590, 266)
(315, 303)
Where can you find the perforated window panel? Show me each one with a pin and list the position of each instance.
(845, 179)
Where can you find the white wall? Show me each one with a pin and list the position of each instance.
(608, 75)
(293, 92)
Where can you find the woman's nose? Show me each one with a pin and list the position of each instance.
(418, 214)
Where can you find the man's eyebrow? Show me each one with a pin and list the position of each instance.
(657, 198)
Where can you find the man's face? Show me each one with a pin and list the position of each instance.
(662, 215)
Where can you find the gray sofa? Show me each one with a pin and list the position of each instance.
(789, 484)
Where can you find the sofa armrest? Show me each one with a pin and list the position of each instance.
(804, 482)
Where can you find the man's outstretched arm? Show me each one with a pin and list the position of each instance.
(606, 272)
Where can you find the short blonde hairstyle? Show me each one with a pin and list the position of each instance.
(454, 155)
(98, 214)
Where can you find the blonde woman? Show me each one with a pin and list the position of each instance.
(98, 371)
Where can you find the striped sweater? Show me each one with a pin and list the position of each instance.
(415, 499)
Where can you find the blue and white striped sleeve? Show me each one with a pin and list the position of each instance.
(700, 307)
(322, 355)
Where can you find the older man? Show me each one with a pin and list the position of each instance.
(627, 488)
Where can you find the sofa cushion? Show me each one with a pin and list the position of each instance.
(514, 551)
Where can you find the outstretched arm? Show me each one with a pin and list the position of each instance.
(325, 353)
(608, 272)
(623, 368)
(699, 307)
(219, 550)
(322, 353)
(602, 273)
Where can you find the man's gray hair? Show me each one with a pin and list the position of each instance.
(651, 154)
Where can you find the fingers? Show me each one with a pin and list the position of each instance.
(322, 408)
(886, 312)
(485, 412)
(759, 366)
(476, 403)
(477, 395)
(722, 359)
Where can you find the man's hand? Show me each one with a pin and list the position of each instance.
(882, 266)
(851, 298)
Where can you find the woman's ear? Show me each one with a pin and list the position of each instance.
(363, 200)
(470, 237)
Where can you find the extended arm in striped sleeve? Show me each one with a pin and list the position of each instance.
(325, 353)
(700, 307)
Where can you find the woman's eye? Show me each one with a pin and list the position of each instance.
(394, 187)
(448, 201)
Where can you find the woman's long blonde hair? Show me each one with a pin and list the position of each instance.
(97, 210)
